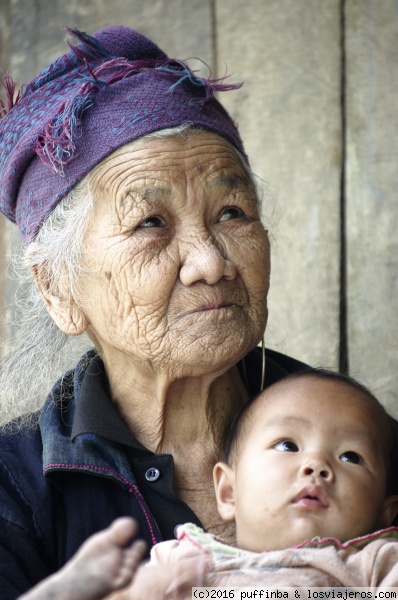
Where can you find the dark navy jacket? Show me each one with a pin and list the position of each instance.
(81, 469)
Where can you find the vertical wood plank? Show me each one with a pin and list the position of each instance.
(372, 204)
(288, 53)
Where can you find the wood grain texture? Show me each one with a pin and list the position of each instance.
(181, 28)
(288, 53)
(372, 202)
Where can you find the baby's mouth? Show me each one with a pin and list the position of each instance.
(312, 497)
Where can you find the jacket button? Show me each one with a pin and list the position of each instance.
(152, 474)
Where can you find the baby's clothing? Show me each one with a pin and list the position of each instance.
(369, 561)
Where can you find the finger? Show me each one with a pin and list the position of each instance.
(132, 561)
(122, 530)
(186, 575)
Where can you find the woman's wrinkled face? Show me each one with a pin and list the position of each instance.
(178, 260)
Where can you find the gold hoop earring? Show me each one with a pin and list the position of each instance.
(262, 365)
(246, 381)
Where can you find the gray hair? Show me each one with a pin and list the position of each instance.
(41, 352)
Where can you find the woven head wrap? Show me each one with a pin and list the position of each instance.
(112, 88)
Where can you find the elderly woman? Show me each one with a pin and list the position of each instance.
(139, 213)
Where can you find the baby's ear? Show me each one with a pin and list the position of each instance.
(389, 512)
(224, 485)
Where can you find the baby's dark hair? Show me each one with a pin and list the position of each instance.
(238, 429)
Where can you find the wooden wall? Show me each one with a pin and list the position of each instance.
(319, 117)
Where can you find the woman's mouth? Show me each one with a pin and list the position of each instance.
(212, 306)
(209, 306)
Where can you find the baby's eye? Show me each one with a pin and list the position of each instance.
(152, 222)
(352, 457)
(286, 446)
(231, 212)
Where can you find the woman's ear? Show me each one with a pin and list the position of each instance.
(389, 512)
(224, 485)
(59, 303)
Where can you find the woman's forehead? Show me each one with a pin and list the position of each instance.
(204, 154)
(150, 173)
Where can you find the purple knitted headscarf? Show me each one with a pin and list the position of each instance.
(113, 87)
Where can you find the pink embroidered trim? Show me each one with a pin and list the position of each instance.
(142, 504)
(182, 533)
(356, 542)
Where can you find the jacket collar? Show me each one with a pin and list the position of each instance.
(73, 437)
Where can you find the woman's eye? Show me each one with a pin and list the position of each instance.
(286, 446)
(152, 222)
(232, 212)
(352, 457)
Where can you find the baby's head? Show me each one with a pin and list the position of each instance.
(308, 457)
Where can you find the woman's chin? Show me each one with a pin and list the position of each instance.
(214, 354)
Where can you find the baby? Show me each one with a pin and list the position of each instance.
(306, 480)
(309, 457)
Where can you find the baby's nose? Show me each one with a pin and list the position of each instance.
(317, 468)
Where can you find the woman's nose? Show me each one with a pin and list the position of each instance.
(205, 260)
(317, 468)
